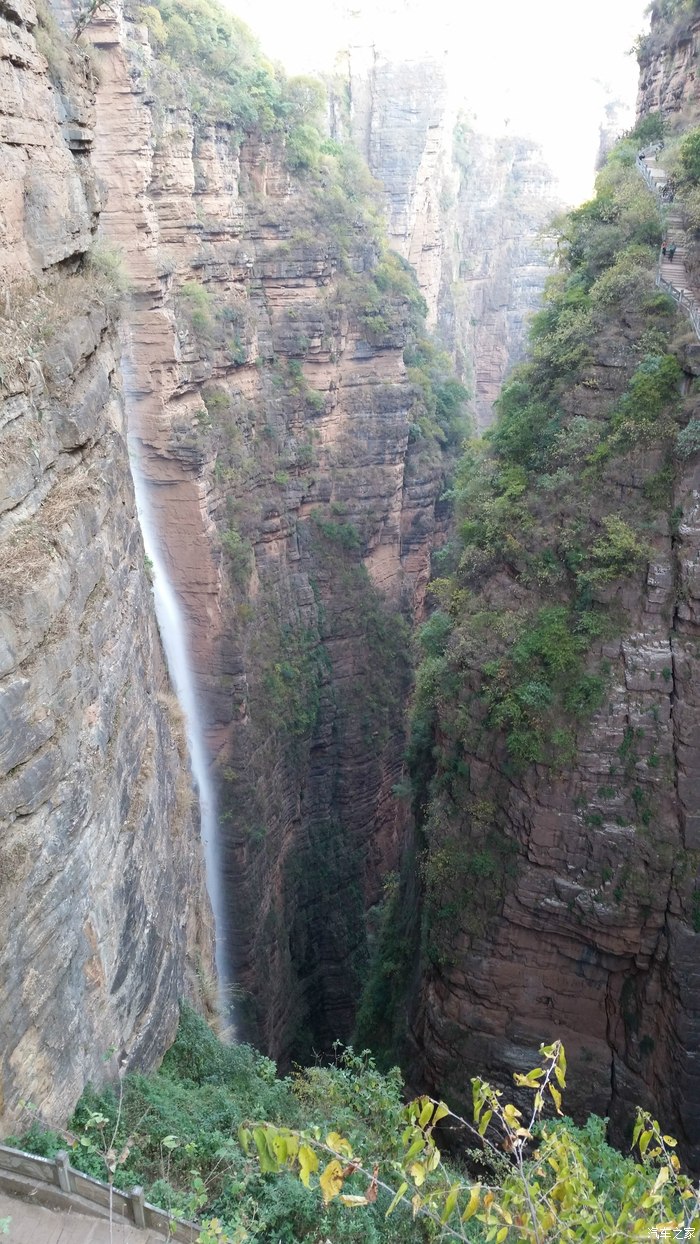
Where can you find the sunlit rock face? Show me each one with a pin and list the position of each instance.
(471, 211)
(398, 114)
(668, 79)
(499, 217)
(98, 840)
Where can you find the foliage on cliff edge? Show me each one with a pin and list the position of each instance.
(559, 510)
(215, 1135)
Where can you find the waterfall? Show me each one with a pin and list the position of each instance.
(173, 633)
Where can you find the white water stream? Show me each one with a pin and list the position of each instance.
(173, 633)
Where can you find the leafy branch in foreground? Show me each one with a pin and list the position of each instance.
(548, 1190)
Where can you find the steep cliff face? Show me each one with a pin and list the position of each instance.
(496, 267)
(555, 752)
(400, 118)
(668, 78)
(270, 410)
(98, 841)
(470, 211)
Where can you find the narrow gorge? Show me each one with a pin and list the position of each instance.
(349, 594)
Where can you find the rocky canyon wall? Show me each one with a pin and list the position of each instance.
(668, 78)
(470, 211)
(270, 409)
(99, 843)
(501, 255)
(560, 866)
(400, 117)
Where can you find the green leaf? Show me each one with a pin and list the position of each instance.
(426, 1114)
(400, 1191)
(268, 1161)
(441, 1112)
(485, 1120)
(644, 1142)
(451, 1202)
(416, 1148)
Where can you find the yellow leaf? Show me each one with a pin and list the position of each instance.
(556, 1097)
(346, 1199)
(434, 1160)
(661, 1179)
(450, 1203)
(308, 1163)
(416, 1202)
(337, 1142)
(502, 1235)
(418, 1173)
(331, 1180)
(473, 1203)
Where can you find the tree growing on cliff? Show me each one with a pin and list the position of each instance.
(86, 14)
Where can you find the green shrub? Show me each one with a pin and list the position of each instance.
(689, 158)
(688, 440)
(651, 129)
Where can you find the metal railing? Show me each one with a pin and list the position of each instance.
(687, 302)
(54, 1183)
(649, 179)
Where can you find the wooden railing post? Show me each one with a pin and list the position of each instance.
(137, 1206)
(63, 1171)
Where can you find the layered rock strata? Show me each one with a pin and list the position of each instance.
(399, 116)
(98, 843)
(585, 928)
(668, 80)
(500, 220)
(273, 432)
(470, 211)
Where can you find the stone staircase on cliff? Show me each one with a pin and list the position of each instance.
(671, 276)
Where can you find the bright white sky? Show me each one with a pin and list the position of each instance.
(548, 67)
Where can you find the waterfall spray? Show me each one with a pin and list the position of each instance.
(173, 632)
(172, 628)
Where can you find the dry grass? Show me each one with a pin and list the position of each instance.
(17, 439)
(33, 311)
(34, 544)
(25, 558)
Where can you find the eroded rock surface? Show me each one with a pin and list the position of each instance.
(98, 843)
(273, 432)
